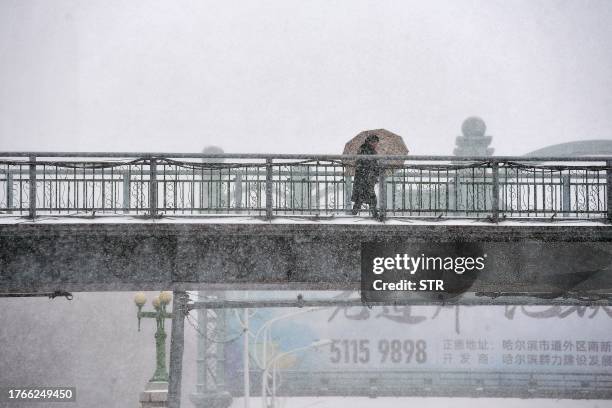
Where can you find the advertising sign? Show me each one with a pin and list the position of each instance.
(567, 345)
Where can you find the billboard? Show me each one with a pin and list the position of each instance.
(414, 350)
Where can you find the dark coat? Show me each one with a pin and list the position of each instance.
(366, 175)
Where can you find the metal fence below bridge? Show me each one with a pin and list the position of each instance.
(438, 383)
(275, 185)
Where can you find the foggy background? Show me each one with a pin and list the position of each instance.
(301, 76)
(91, 342)
(275, 76)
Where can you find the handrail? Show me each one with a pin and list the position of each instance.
(496, 187)
(314, 156)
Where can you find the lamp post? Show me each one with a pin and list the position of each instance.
(160, 314)
(265, 328)
(274, 362)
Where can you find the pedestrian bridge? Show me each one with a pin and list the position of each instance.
(123, 221)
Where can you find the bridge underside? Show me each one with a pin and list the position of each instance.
(318, 255)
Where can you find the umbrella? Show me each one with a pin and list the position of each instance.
(389, 143)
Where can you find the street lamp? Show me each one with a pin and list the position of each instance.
(274, 362)
(265, 328)
(160, 315)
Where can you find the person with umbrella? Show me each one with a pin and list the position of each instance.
(366, 176)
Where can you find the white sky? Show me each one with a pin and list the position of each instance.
(301, 76)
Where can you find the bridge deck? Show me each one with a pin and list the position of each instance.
(300, 220)
(130, 253)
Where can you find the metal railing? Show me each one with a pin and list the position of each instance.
(532, 382)
(157, 184)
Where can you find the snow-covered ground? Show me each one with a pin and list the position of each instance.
(287, 219)
(390, 402)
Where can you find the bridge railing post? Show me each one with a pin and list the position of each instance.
(382, 191)
(269, 181)
(566, 195)
(9, 191)
(456, 194)
(153, 187)
(126, 192)
(32, 203)
(609, 190)
(495, 191)
(238, 190)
